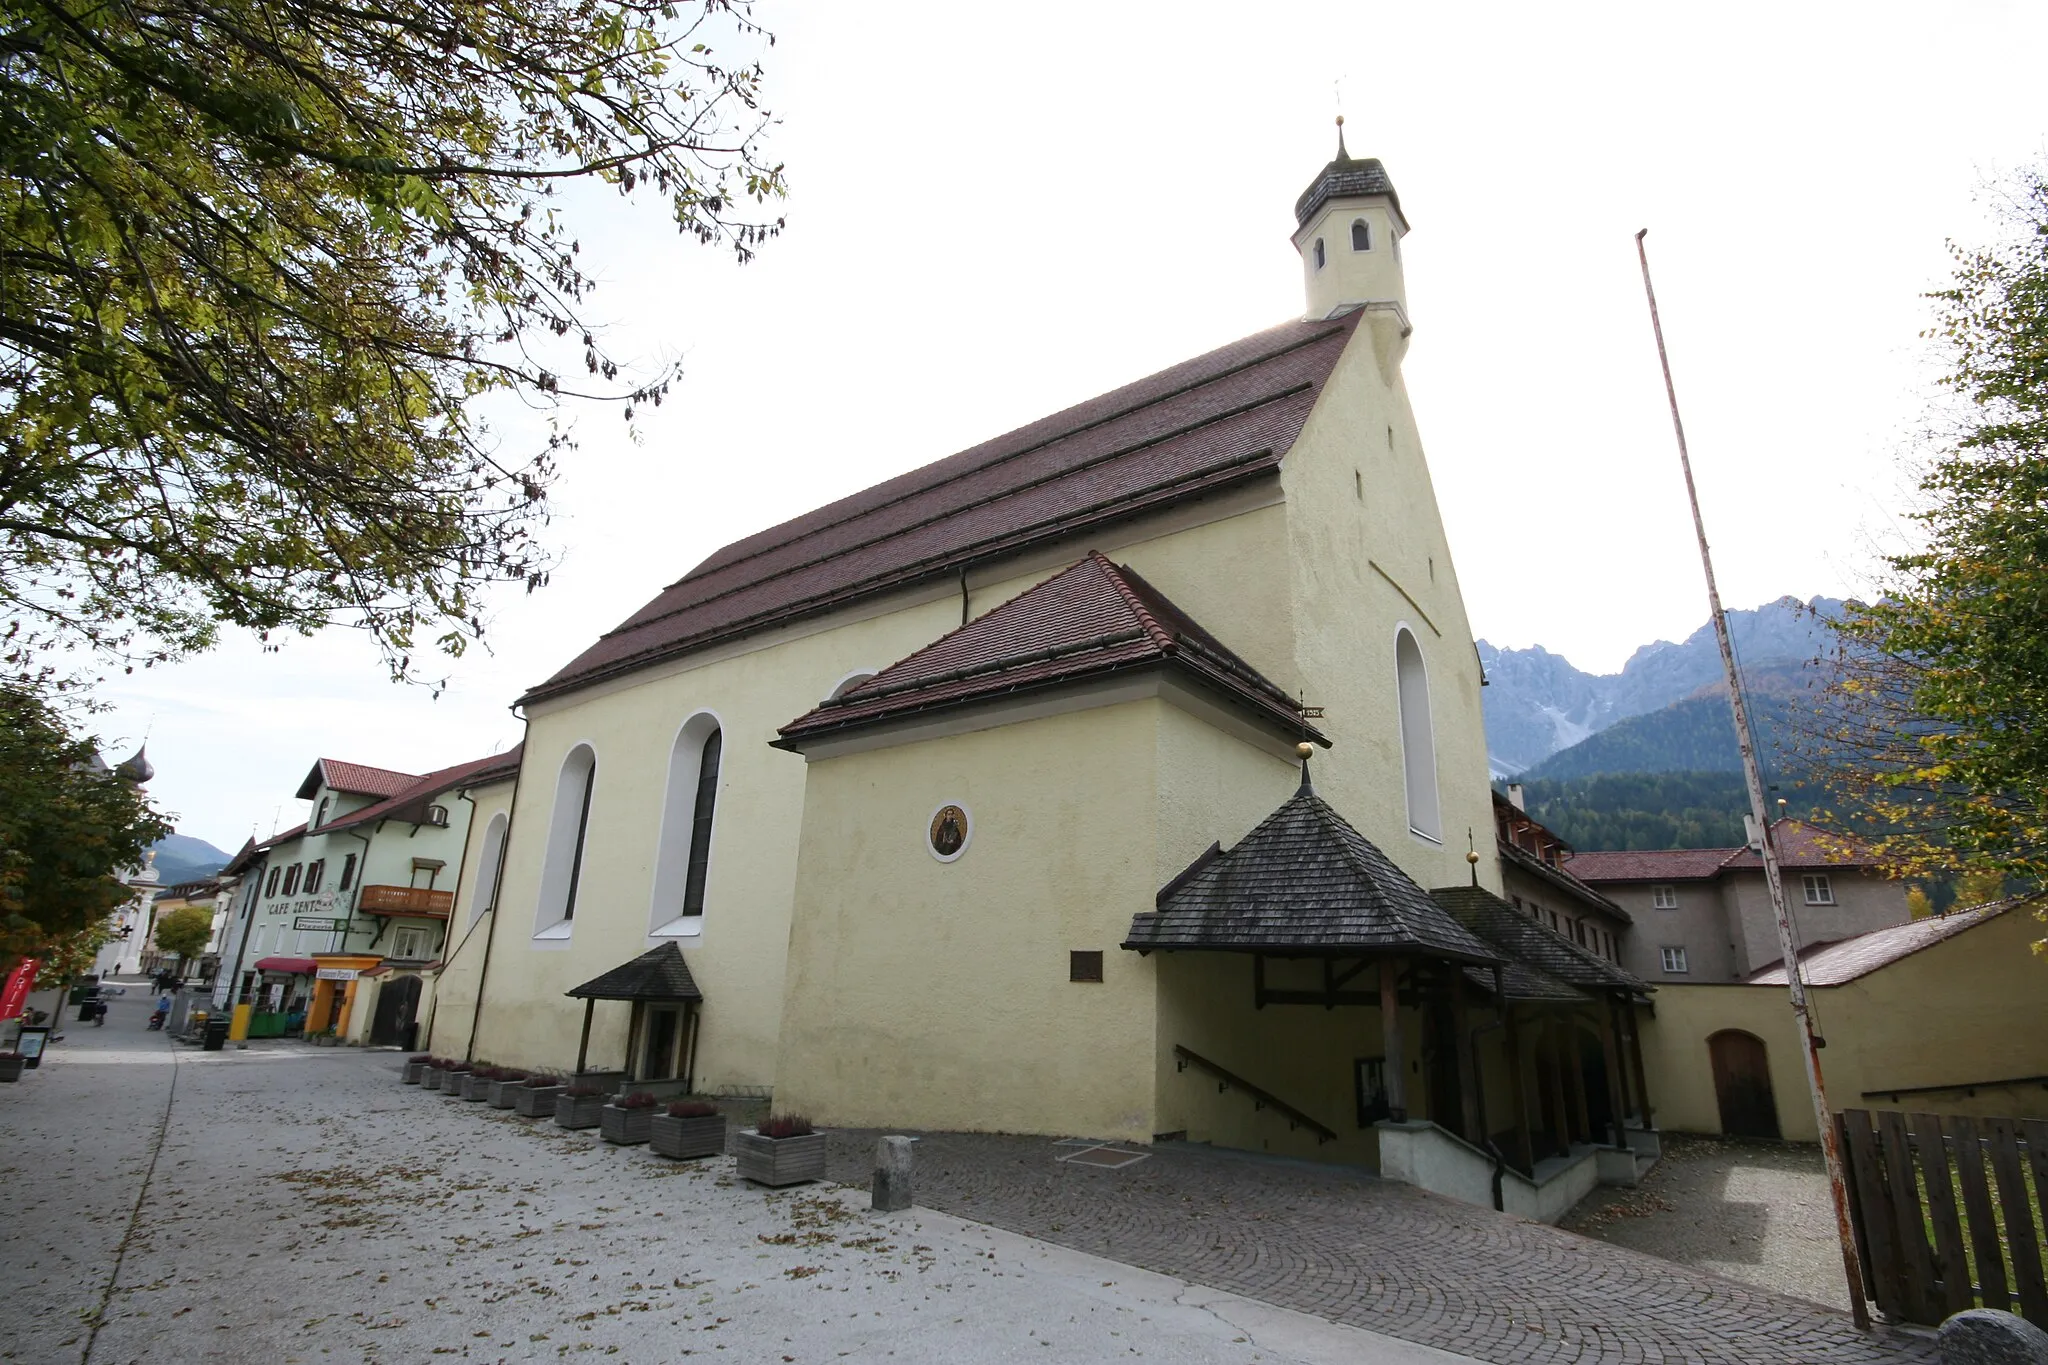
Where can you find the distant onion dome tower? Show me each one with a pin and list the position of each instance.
(136, 769)
(1349, 231)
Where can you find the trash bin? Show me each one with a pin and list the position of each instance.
(88, 1007)
(216, 1035)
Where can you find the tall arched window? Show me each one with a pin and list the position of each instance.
(561, 874)
(1418, 737)
(683, 858)
(1321, 255)
(1361, 235)
(490, 860)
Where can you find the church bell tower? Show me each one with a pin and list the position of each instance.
(1348, 230)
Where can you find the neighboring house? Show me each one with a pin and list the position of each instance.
(360, 893)
(1704, 914)
(1928, 1016)
(213, 895)
(906, 779)
(1532, 864)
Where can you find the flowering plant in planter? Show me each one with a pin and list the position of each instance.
(432, 1073)
(580, 1106)
(453, 1078)
(687, 1129)
(534, 1097)
(413, 1067)
(784, 1149)
(503, 1084)
(477, 1087)
(625, 1119)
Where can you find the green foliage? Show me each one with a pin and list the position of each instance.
(1918, 903)
(1942, 711)
(1690, 736)
(184, 931)
(1651, 810)
(258, 259)
(65, 827)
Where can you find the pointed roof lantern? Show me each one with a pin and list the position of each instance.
(1346, 177)
(1304, 882)
(136, 769)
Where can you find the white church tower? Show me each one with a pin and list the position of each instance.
(1349, 228)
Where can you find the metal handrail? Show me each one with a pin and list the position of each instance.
(1261, 1099)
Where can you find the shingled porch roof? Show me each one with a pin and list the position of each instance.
(657, 974)
(1522, 940)
(1090, 620)
(1213, 422)
(1305, 883)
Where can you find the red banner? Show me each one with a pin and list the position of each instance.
(20, 981)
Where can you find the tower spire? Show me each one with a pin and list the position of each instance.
(1342, 154)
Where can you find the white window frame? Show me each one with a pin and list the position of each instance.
(1418, 736)
(490, 866)
(1664, 897)
(1819, 889)
(404, 935)
(1673, 960)
(665, 919)
(567, 845)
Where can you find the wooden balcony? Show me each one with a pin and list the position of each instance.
(406, 900)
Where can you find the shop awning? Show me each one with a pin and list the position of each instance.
(290, 966)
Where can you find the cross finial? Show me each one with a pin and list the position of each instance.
(1337, 87)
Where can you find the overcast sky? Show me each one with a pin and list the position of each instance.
(994, 214)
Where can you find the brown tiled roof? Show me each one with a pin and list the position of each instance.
(657, 974)
(1523, 940)
(1799, 845)
(1562, 879)
(1088, 620)
(1304, 881)
(411, 803)
(1837, 964)
(1205, 424)
(358, 779)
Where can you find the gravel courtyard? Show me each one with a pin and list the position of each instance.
(1753, 1211)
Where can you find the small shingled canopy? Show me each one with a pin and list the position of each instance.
(658, 975)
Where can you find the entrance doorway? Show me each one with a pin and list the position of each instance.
(1742, 1084)
(397, 1003)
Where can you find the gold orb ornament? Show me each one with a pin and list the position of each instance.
(1305, 749)
(1473, 857)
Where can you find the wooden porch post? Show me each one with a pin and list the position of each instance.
(1519, 1079)
(1617, 1077)
(1390, 1040)
(634, 1021)
(1467, 1059)
(583, 1047)
(1575, 1074)
(1557, 1096)
(1635, 1051)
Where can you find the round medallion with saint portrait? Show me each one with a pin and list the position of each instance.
(948, 832)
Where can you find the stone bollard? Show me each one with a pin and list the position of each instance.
(891, 1187)
(1985, 1336)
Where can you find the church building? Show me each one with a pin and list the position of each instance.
(983, 799)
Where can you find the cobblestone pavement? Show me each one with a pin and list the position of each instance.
(1758, 1212)
(1378, 1255)
(286, 1205)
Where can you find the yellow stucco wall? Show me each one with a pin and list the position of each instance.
(936, 995)
(1368, 555)
(1970, 1008)
(448, 1005)
(1229, 571)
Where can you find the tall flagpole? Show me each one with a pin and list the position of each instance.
(1745, 739)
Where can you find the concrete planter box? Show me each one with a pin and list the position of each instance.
(10, 1068)
(535, 1101)
(452, 1083)
(579, 1111)
(411, 1074)
(476, 1089)
(430, 1077)
(779, 1161)
(627, 1127)
(503, 1093)
(685, 1139)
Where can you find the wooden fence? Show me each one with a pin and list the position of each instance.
(1935, 1234)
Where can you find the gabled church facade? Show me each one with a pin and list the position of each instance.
(912, 782)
